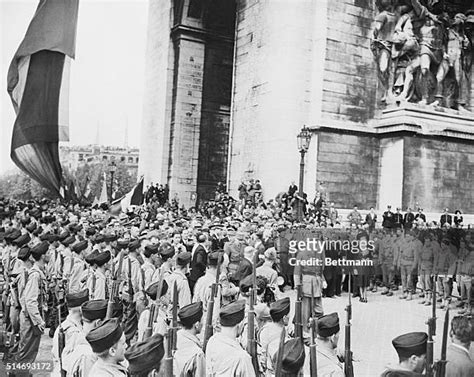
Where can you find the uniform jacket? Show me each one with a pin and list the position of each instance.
(33, 300)
(388, 219)
(371, 221)
(328, 363)
(446, 218)
(189, 358)
(311, 275)
(184, 292)
(408, 220)
(103, 369)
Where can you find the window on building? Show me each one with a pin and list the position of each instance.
(137, 160)
(130, 160)
(104, 158)
(81, 157)
(122, 159)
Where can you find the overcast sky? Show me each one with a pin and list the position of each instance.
(106, 77)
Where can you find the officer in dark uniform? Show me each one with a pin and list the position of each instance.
(388, 222)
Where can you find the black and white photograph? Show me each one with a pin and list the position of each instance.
(237, 188)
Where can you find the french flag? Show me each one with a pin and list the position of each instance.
(38, 84)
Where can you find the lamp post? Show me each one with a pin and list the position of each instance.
(303, 139)
(112, 170)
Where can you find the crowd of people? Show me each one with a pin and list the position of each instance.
(162, 288)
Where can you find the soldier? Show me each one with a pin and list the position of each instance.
(466, 272)
(224, 355)
(235, 251)
(387, 262)
(144, 358)
(189, 359)
(445, 268)
(160, 324)
(459, 362)
(148, 267)
(134, 274)
(179, 275)
(270, 333)
(388, 222)
(108, 342)
(398, 219)
(79, 362)
(167, 252)
(407, 262)
(78, 267)
(328, 336)
(310, 275)
(411, 350)
(428, 255)
(100, 287)
(33, 302)
(266, 269)
(18, 286)
(71, 327)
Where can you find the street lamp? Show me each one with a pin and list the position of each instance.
(303, 139)
(112, 170)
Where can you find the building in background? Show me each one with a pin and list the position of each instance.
(230, 83)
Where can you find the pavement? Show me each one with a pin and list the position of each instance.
(374, 325)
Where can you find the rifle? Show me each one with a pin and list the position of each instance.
(298, 309)
(431, 333)
(251, 342)
(209, 329)
(312, 348)
(115, 287)
(168, 367)
(154, 308)
(441, 364)
(130, 286)
(348, 367)
(279, 359)
(61, 338)
(94, 283)
(174, 319)
(145, 299)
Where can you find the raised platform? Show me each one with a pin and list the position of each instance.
(427, 120)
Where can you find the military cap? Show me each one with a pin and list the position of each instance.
(94, 309)
(190, 314)
(63, 235)
(99, 238)
(133, 245)
(51, 238)
(68, 241)
(183, 258)
(90, 231)
(152, 289)
(150, 250)
(110, 237)
(13, 234)
(122, 243)
(40, 249)
(293, 356)
(75, 228)
(24, 253)
(38, 231)
(90, 258)
(281, 228)
(79, 246)
(22, 240)
(413, 343)
(279, 309)
(77, 299)
(102, 258)
(166, 250)
(105, 336)
(145, 356)
(246, 284)
(31, 227)
(232, 314)
(328, 325)
(213, 258)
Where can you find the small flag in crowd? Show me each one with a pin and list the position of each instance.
(133, 197)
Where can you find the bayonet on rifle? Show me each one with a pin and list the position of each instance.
(348, 367)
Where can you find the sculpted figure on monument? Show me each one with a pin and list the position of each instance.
(432, 37)
(381, 44)
(458, 59)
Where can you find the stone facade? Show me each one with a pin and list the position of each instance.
(231, 83)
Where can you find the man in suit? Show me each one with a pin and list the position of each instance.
(388, 218)
(398, 219)
(460, 363)
(246, 263)
(408, 219)
(420, 216)
(371, 219)
(198, 260)
(282, 246)
(446, 218)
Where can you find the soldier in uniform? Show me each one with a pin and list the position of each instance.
(148, 267)
(98, 285)
(445, 268)
(160, 325)
(310, 275)
(407, 262)
(33, 302)
(79, 362)
(71, 327)
(270, 333)
(224, 354)
(179, 276)
(189, 359)
(293, 358)
(166, 252)
(328, 337)
(144, 358)
(411, 350)
(108, 342)
(388, 222)
(387, 262)
(18, 286)
(428, 255)
(135, 275)
(78, 269)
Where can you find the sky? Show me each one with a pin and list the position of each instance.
(107, 76)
